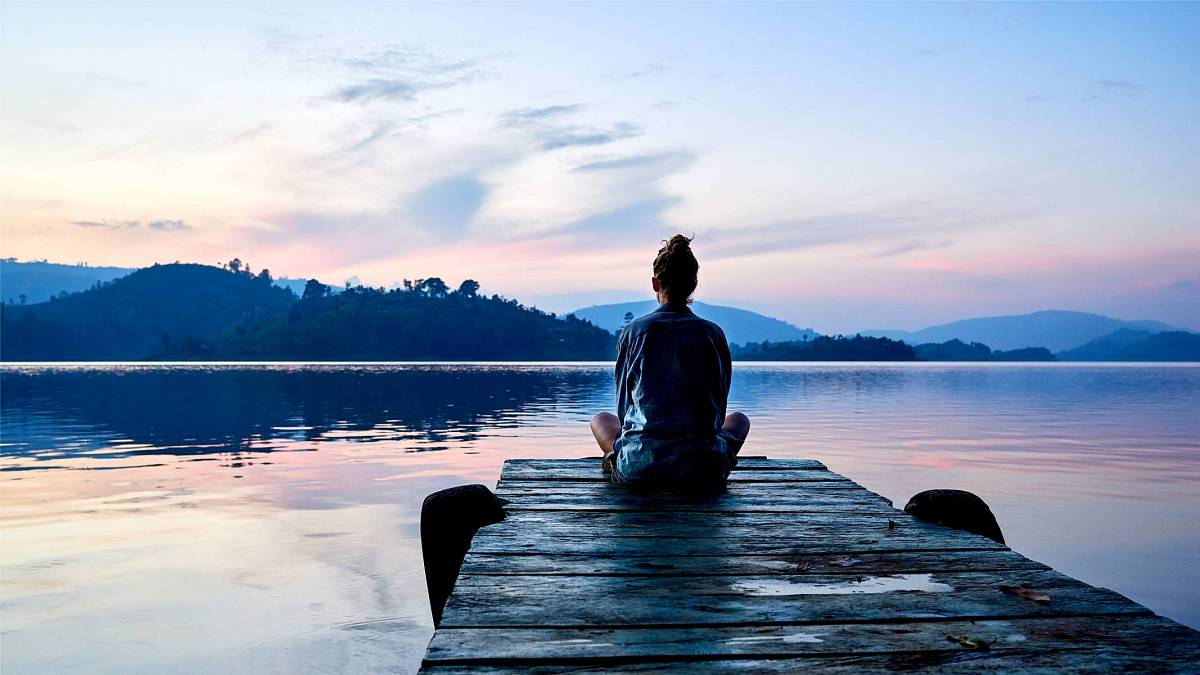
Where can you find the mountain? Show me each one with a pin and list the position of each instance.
(740, 326)
(189, 312)
(1054, 330)
(1135, 345)
(32, 282)
(138, 316)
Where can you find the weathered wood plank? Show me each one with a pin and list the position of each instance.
(741, 487)
(498, 601)
(722, 547)
(756, 476)
(597, 489)
(590, 470)
(678, 525)
(729, 540)
(742, 497)
(580, 645)
(593, 464)
(853, 563)
(1126, 658)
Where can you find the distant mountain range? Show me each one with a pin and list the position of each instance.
(1057, 331)
(1137, 345)
(31, 282)
(741, 326)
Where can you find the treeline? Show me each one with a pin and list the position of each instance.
(957, 350)
(198, 312)
(861, 348)
(826, 348)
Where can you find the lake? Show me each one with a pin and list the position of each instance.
(247, 519)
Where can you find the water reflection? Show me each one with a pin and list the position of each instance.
(264, 519)
(125, 412)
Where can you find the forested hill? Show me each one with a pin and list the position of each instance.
(139, 315)
(196, 312)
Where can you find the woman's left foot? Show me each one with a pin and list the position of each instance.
(607, 464)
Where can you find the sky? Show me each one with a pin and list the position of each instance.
(842, 166)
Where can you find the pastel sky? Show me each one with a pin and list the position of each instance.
(842, 166)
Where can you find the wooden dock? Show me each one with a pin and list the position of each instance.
(794, 568)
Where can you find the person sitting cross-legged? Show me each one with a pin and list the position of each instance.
(671, 431)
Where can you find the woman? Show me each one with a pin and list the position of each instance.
(673, 371)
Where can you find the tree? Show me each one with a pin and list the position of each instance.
(628, 318)
(235, 265)
(314, 289)
(265, 275)
(433, 287)
(469, 288)
(23, 298)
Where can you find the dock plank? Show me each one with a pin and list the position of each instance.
(601, 496)
(794, 567)
(599, 644)
(495, 601)
(840, 562)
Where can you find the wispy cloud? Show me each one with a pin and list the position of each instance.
(377, 90)
(548, 126)
(663, 160)
(522, 116)
(911, 246)
(1114, 89)
(918, 221)
(649, 70)
(164, 225)
(564, 137)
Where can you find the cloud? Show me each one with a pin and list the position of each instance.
(565, 137)
(407, 58)
(916, 220)
(650, 70)
(449, 204)
(1114, 89)
(381, 72)
(544, 125)
(165, 225)
(377, 90)
(667, 161)
(910, 246)
(523, 115)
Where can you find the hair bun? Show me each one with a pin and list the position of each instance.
(675, 267)
(678, 243)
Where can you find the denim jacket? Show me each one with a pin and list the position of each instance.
(673, 373)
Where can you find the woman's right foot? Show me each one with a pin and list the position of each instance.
(607, 463)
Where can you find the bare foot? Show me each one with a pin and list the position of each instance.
(607, 463)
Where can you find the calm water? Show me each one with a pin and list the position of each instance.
(265, 519)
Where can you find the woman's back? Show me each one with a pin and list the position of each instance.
(673, 374)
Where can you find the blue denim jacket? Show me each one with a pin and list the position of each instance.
(673, 373)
